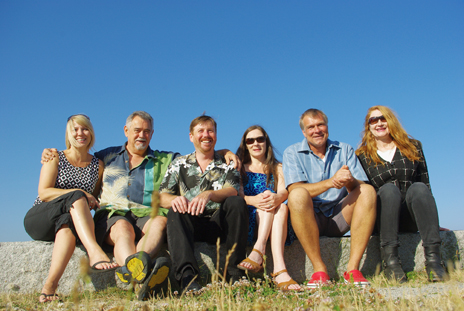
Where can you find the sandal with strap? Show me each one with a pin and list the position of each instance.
(256, 267)
(283, 286)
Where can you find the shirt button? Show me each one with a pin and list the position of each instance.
(129, 184)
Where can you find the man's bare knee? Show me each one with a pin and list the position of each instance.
(299, 200)
(368, 193)
(121, 228)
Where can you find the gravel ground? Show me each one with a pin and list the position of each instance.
(426, 290)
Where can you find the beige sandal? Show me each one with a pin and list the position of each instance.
(256, 267)
(283, 286)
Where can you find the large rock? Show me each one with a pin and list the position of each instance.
(25, 265)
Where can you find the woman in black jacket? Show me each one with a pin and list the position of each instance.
(396, 167)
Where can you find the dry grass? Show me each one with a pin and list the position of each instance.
(260, 294)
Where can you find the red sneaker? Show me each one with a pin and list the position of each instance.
(355, 277)
(318, 279)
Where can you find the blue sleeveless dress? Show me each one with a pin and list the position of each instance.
(257, 184)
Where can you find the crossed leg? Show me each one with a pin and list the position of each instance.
(65, 243)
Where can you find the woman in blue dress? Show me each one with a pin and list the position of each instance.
(264, 191)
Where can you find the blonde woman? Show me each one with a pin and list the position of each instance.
(395, 165)
(68, 187)
(264, 192)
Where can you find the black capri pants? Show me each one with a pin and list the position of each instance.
(43, 220)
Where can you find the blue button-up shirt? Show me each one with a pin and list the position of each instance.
(300, 164)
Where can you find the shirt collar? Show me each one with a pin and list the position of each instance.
(150, 153)
(192, 158)
(304, 147)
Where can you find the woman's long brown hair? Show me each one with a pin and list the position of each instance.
(270, 163)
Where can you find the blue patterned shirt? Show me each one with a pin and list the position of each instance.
(125, 189)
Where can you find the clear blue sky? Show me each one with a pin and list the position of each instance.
(243, 62)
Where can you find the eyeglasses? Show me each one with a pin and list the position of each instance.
(79, 114)
(374, 120)
(260, 139)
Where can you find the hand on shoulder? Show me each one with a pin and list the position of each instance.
(48, 154)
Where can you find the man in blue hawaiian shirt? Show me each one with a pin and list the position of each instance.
(125, 220)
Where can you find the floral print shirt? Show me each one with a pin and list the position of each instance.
(185, 178)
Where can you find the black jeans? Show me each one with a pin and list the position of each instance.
(417, 212)
(229, 223)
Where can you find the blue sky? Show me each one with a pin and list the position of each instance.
(243, 62)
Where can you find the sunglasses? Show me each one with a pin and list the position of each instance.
(260, 139)
(374, 120)
(79, 114)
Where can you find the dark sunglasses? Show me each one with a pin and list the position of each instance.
(79, 114)
(374, 120)
(260, 139)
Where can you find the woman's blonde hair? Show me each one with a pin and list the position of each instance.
(84, 121)
(404, 142)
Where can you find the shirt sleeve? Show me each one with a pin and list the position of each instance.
(422, 171)
(232, 179)
(102, 153)
(113, 151)
(170, 183)
(355, 166)
(293, 172)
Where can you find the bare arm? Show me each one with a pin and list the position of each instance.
(314, 189)
(268, 200)
(48, 154)
(47, 190)
(197, 205)
(178, 203)
(230, 156)
(342, 178)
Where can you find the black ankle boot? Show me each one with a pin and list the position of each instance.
(433, 264)
(392, 264)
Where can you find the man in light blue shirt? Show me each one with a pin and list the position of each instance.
(328, 196)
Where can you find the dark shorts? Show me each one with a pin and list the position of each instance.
(333, 226)
(43, 220)
(103, 226)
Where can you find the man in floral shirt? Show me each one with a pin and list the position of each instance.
(200, 190)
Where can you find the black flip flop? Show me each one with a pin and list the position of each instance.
(93, 268)
(157, 282)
